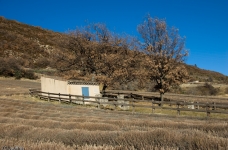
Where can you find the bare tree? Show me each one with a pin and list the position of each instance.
(117, 57)
(95, 50)
(165, 53)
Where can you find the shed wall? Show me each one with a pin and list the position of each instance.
(77, 89)
(58, 86)
(53, 86)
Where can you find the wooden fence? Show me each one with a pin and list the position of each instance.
(131, 103)
(168, 96)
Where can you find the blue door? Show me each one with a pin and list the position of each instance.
(85, 91)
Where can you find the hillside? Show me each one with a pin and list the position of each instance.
(202, 75)
(31, 46)
(28, 43)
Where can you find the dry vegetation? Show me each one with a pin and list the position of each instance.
(32, 124)
(32, 47)
(202, 75)
(9, 86)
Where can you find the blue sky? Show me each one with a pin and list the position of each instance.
(203, 22)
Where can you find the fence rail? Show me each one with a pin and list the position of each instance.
(132, 103)
(168, 96)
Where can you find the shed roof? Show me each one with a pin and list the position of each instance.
(72, 82)
(75, 82)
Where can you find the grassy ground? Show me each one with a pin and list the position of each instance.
(174, 112)
(11, 86)
(33, 124)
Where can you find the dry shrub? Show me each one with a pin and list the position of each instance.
(207, 89)
(45, 123)
(77, 119)
(22, 115)
(41, 63)
(4, 119)
(10, 67)
(34, 117)
(92, 126)
(13, 130)
(100, 147)
(226, 90)
(196, 139)
(211, 89)
(18, 130)
(69, 125)
(30, 145)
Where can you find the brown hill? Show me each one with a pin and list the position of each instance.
(28, 43)
(32, 46)
(201, 75)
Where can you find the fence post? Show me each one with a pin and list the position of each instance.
(70, 99)
(83, 99)
(197, 105)
(178, 108)
(30, 92)
(98, 106)
(35, 94)
(152, 106)
(59, 98)
(38, 94)
(48, 97)
(133, 106)
(115, 104)
(208, 110)
(214, 107)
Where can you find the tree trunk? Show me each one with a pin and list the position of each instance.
(161, 96)
(104, 88)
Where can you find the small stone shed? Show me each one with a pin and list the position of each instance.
(73, 87)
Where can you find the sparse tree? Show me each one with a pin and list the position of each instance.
(95, 50)
(117, 58)
(165, 53)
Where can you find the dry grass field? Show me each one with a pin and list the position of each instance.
(33, 124)
(39, 125)
(10, 86)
